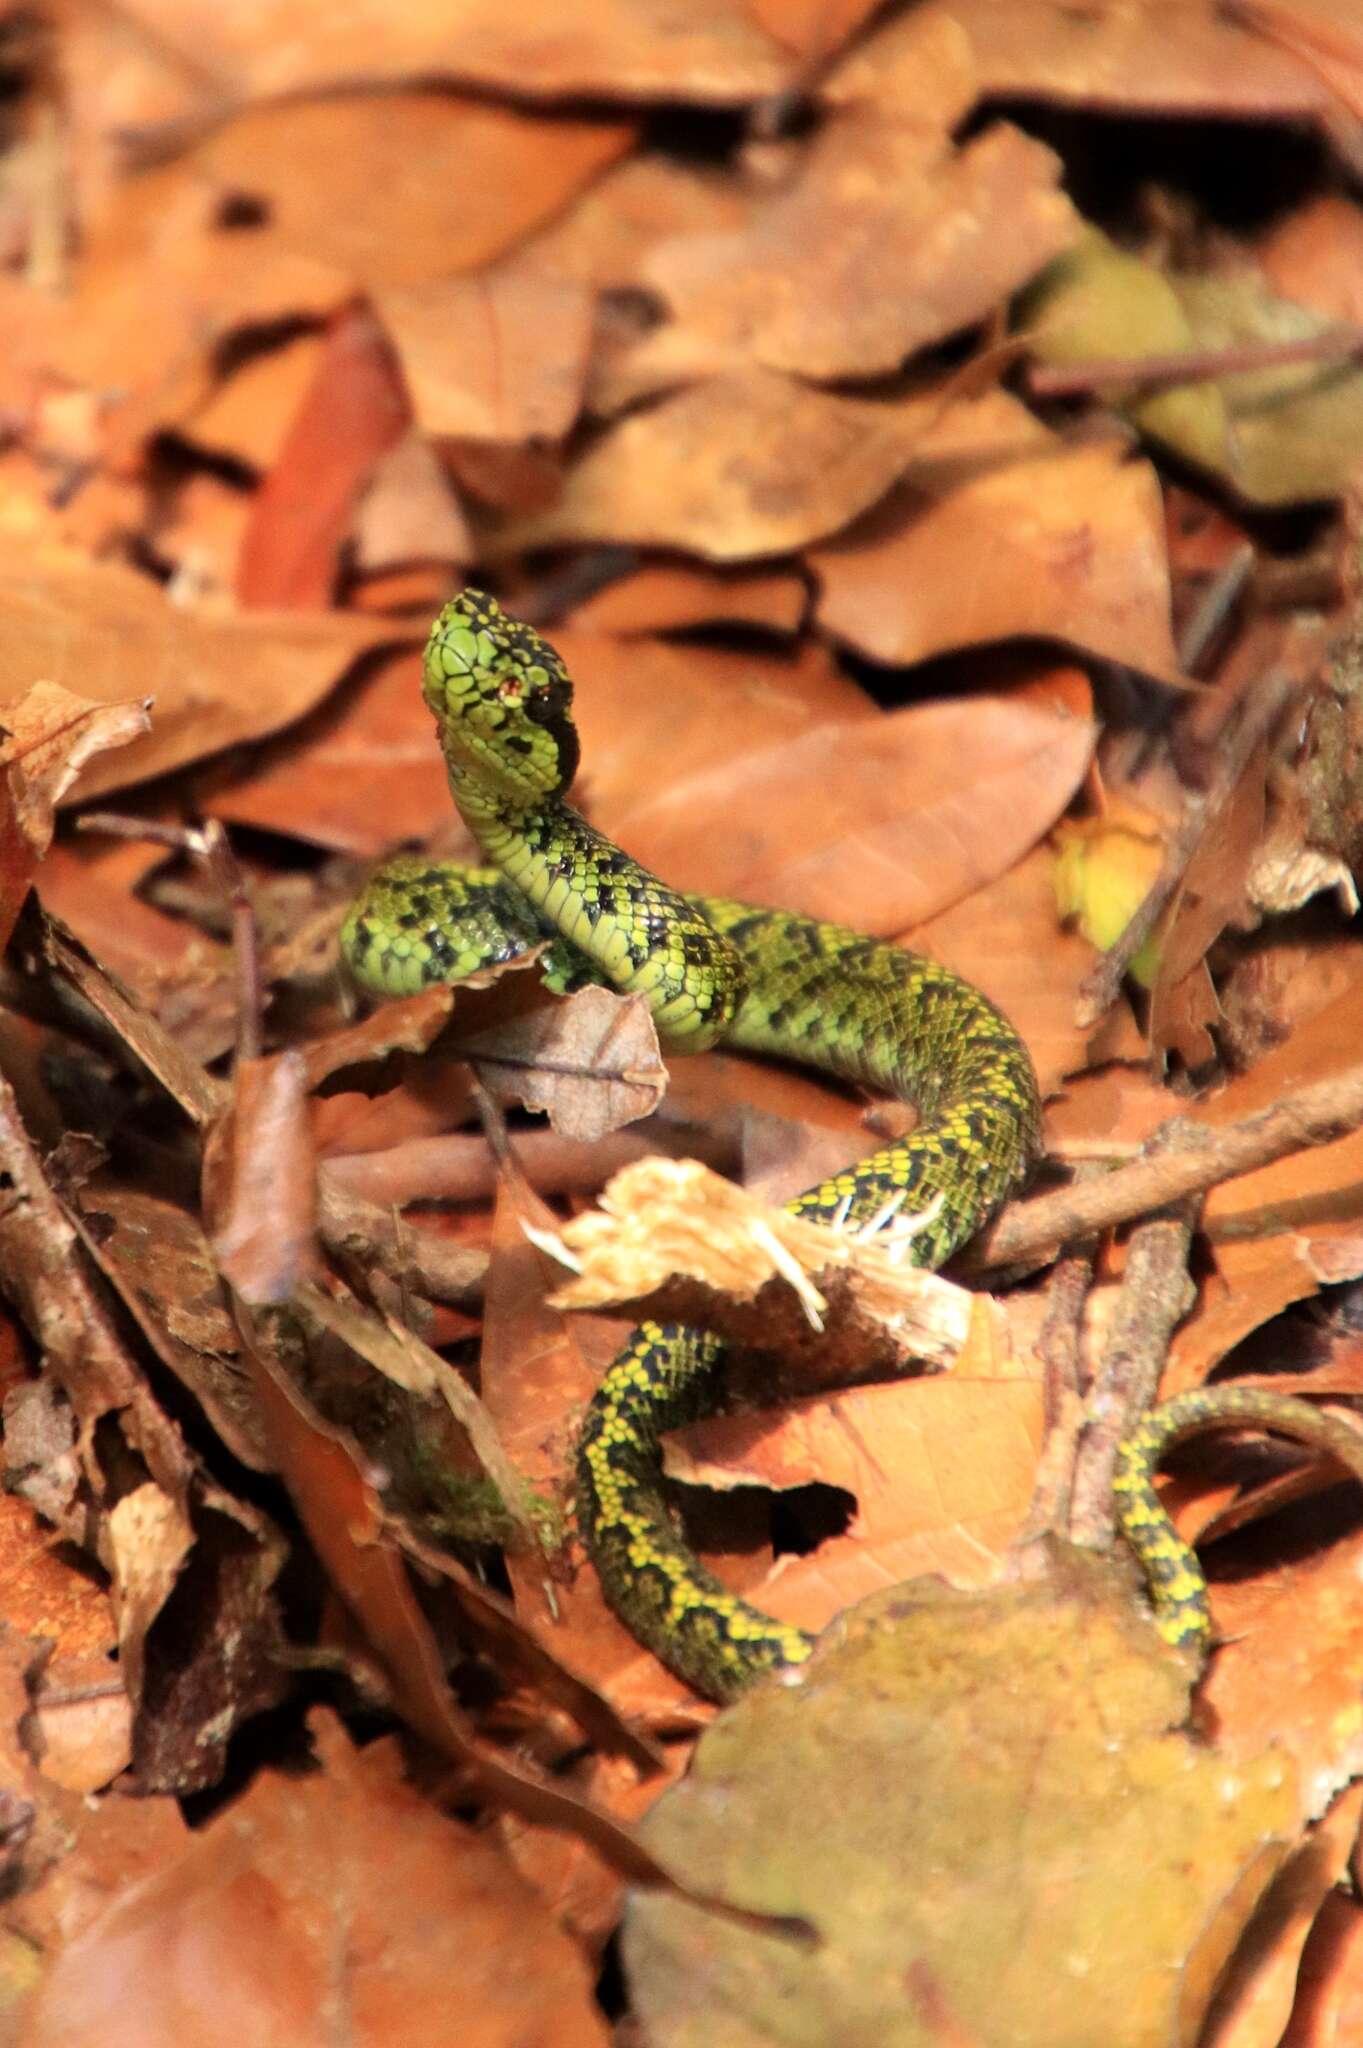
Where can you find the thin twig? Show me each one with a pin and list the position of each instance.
(1190, 365)
(1156, 1295)
(1317, 1115)
(1219, 599)
(1058, 1349)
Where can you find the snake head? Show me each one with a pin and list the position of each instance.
(502, 700)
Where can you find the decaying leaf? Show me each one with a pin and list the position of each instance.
(792, 1287)
(980, 1737)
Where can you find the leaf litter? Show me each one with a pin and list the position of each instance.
(946, 497)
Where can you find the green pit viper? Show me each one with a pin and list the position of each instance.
(763, 981)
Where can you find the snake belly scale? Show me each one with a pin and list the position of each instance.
(759, 980)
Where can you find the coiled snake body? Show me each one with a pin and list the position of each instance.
(763, 981)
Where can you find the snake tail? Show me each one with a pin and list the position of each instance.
(1178, 1589)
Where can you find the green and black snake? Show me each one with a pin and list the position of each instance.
(763, 981)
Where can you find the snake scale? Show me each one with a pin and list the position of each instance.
(762, 981)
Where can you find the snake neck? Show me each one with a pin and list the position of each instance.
(639, 936)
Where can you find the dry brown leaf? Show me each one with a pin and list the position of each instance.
(602, 241)
(260, 1180)
(1211, 895)
(917, 69)
(1255, 2003)
(1281, 1232)
(1329, 2008)
(247, 415)
(51, 734)
(396, 189)
(353, 413)
(81, 1730)
(161, 241)
(590, 1062)
(612, 49)
(410, 512)
(1289, 1668)
(877, 826)
(497, 357)
(667, 599)
(115, 81)
(269, 1927)
(1323, 35)
(213, 681)
(346, 1525)
(201, 540)
(407, 1024)
(159, 1262)
(1108, 1112)
(44, 1595)
(1006, 939)
(887, 242)
(751, 463)
(1165, 56)
(149, 1539)
(1064, 542)
(812, 28)
(539, 1368)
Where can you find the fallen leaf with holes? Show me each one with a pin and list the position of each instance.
(393, 189)
(939, 1471)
